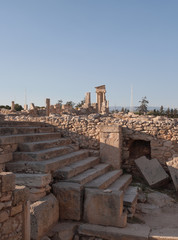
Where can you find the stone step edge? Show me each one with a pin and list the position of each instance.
(38, 144)
(43, 166)
(74, 169)
(96, 173)
(103, 181)
(9, 139)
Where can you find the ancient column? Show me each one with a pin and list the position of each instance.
(12, 106)
(100, 95)
(26, 107)
(47, 106)
(87, 99)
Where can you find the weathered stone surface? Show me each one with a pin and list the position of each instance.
(44, 214)
(70, 197)
(110, 145)
(4, 215)
(104, 208)
(131, 232)
(5, 157)
(160, 199)
(152, 171)
(17, 209)
(20, 195)
(173, 169)
(33, 180)
(64, 231)
(164, 234)
(7, 181)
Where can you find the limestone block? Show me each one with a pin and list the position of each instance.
(5, 158)
(4, 215)
(173, 169)
(104, 208)
(7, 181)
(20, 195)
(110, 145)
(6, 196)
(69, 196)
(152, 171)
(33, 180)
(17, 209)
(131, 232)
(44, 214)
(64, 231)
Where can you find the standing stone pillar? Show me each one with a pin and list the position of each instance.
(111, 145)
(13, 106)
(47, 106)
(87, 99)
(100, 95)
(26, 107)
(99, 101)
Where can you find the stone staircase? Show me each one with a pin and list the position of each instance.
(86, 189)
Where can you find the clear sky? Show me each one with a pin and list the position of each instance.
(61, 49)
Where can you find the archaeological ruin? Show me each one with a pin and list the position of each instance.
(87, 174)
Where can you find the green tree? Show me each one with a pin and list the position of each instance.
(60, 102)
(6, 107)
(18, 107)
(168, 112)
(175, 113)
(70, 103)
(143, 108)
(80, 104)
(161, 110)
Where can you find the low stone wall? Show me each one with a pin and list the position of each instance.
(160, 133)
(14, 209)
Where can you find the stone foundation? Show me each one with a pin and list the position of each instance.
(14, 209)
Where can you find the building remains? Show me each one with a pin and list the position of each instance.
(65, 175)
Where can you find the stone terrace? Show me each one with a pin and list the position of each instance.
(58, 161)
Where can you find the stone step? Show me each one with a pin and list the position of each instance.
(43, 154)
(48, 165)
(130, 196)
(75, 168)
(122, 183)
(24, 124)
(24, 130)
(90, 174)
(36, 146)
(105, 180)
(38, 184)
(37, 180)
(21, 138)
(130, 200)
(130, 232)
(104, 208)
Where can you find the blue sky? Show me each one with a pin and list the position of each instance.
(61, 49)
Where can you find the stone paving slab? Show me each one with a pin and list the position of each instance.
(152, 171)
(164, 234)
(131, 232)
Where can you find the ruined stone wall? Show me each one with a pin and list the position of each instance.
(160, 133)
(14, 209)
(6, 154)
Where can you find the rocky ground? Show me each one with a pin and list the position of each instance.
(158, 210)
